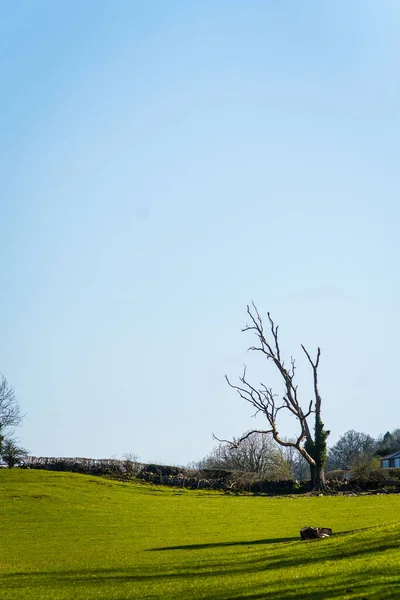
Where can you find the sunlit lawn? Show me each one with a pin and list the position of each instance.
(65, 536)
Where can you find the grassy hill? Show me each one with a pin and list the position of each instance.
(65, 536)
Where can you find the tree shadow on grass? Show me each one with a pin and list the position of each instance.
(223, 544)
(367, 585)
(249, 543)
(298, 570)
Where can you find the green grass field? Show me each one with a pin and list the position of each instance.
(65, 536)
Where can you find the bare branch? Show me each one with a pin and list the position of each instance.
(318, 400)
(314, 365)
(274, 331)
(293, 364)
(236, 443)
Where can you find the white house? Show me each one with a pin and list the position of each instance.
(391, 460)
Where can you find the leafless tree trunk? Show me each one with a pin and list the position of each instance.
(311, 445)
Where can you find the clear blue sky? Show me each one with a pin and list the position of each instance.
(161, 165)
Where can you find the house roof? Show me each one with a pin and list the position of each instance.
(393, 455)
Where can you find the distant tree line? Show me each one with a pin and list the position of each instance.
(354, 448)
(258, 453)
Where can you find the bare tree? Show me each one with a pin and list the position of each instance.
(12, 453)
(257, 453)
(311, 446)
(130, 463)
(10, 411)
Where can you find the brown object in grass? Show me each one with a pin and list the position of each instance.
(313, 533)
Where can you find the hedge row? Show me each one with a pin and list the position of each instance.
(88, 466)
(215, 479)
